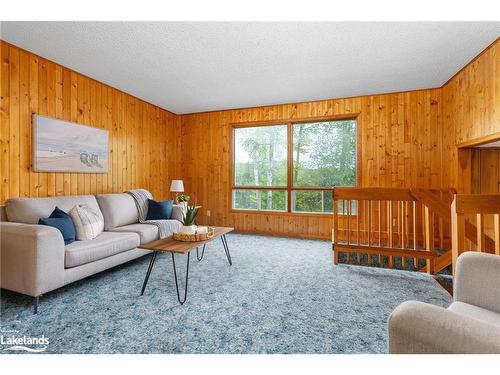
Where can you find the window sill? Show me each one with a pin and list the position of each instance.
(281, 213)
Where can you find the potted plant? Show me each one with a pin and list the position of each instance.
(188, 226)
(183, 200)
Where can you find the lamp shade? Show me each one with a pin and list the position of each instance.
(177, 186)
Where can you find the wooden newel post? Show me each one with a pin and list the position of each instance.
(457, 233)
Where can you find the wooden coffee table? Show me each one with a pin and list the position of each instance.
(169, 245)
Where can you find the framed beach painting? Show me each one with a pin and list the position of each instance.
(61, 146)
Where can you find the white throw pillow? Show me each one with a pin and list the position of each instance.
(88, 222)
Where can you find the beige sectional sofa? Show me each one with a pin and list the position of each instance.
(34, 259)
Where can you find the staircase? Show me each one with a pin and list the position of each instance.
(410, 228)
(484, 235)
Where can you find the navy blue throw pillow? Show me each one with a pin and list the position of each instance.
(159, 210)
(65, 226)
(60, 213)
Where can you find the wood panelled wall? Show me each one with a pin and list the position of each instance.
(471, 109)
(408, 140)
(144, 139)
(401, 145)
(485, 171)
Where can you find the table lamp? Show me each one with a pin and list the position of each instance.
(177, 186)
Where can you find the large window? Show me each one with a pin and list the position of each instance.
(292, 167)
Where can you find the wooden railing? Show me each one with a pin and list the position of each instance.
(392, 225)
(475, 224)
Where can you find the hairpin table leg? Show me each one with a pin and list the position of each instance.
(226, 249)
(150, 268)
(202, 252)
(177, 284)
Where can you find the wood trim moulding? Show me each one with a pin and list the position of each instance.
(477, 204)
(353, 248)
(299, 120)
(290, 234)
(309, 101)
(479, 141)
(300, 188)
(327, 215)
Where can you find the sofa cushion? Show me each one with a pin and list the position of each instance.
(475, 312)
(59, 213)
(104, 245)
(69, 234)
(146, 232)
(159, 210)
(29, 210)
(118, 210)
(63, 224)
(89, 223)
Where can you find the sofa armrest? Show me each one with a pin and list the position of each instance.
(477, 280)
(417, 327)
(32, 258)
(178, 212)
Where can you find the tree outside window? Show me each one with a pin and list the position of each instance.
(323, 155)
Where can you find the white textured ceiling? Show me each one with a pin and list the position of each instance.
(201, 66)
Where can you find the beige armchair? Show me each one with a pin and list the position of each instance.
(471, 324)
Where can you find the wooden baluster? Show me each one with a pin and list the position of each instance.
(343, 219)
(403, 224)
(441, 226)
(379, 215)
(496, 230)
(424, 243)
(379, 225)
(344, 227)
(389, 230)
(429, 238)
(398, 231)
(369, 209)
(357, 222)
(358, 229)
(480, 232)
(407, 231)
(415, 230)
(335, 229)
(348, 221)
(364, 224)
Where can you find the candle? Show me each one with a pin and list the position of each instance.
(202, 230)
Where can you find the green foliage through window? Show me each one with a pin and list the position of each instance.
(312, 201)
(274, 200)
(323, 156)
(260, 156)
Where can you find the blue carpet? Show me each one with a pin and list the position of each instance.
(281, 295)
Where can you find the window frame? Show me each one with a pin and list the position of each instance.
(289, 186)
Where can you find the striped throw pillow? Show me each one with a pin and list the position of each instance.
(89, 223)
